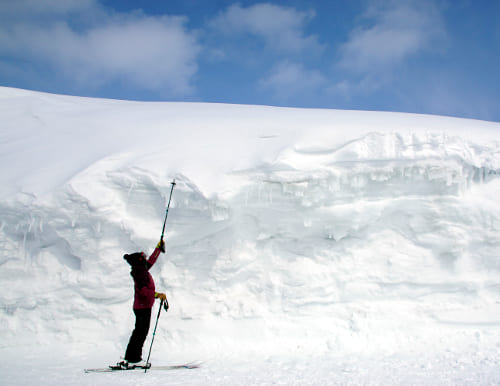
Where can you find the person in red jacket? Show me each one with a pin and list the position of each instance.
(144, 298)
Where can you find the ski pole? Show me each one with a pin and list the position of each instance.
(154, 333)
(168, 206)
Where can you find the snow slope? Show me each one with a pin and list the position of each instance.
(361, 246)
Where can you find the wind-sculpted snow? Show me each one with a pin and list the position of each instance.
(385, 241)
(372, 229)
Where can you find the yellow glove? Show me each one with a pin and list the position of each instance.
(161, 246)
(160, 296)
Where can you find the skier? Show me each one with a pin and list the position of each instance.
(144, 299)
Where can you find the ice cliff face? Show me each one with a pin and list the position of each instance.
(367, 240)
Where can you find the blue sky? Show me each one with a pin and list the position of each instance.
(424, 56)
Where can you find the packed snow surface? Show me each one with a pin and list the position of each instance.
(303, 246)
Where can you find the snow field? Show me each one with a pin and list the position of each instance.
(359, 247)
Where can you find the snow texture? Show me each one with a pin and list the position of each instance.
(303, 246)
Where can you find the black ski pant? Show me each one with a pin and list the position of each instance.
(134, 348)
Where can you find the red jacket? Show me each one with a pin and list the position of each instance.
(144, 284)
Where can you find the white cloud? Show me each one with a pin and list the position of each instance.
(288, 80)
(153, 52)
(156, 53)
(281, 28)
(396, 30)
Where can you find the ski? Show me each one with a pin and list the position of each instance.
(110, 369)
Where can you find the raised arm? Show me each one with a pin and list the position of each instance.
(160, 248)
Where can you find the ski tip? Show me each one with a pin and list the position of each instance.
(192, 365)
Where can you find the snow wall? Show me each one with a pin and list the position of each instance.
(290, 231)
